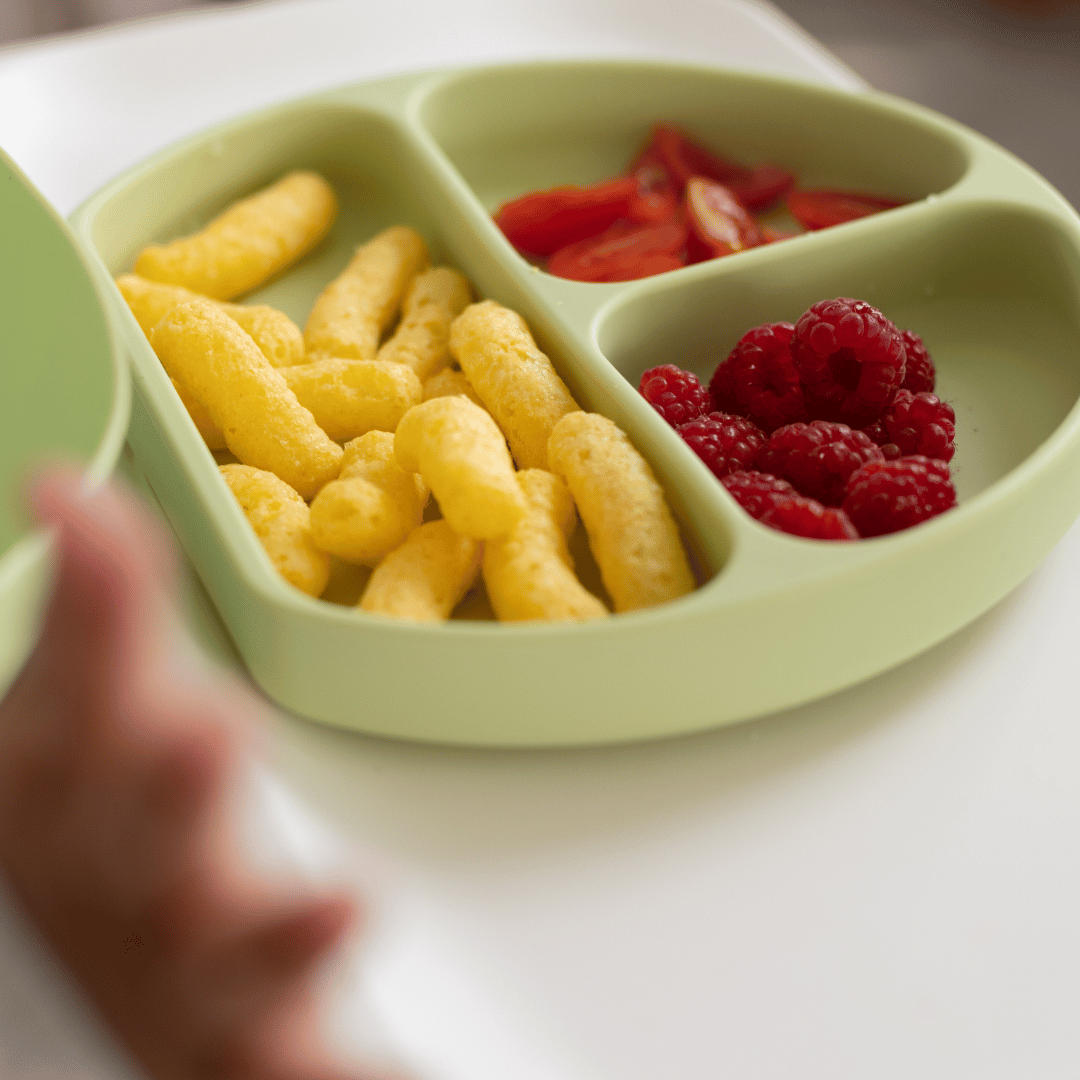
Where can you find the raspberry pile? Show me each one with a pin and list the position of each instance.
(826, 428)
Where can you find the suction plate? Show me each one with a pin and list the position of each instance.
(983, 263)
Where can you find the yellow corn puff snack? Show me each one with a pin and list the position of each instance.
(251, 242)
(263, 423)
(448, 383)
(422, 340)
(279, 338)
(273, 331)
(373, 505)
(529, 573)
(631, 531)
(459, 451)
(211, 433)
(351, 397)
(514, 379)
(354, 309)
(281, 521)
(426, 577)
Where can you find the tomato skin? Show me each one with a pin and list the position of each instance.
(765, 185)
(719, 223)
(624, 252)
(684, 159)
(821, 209)
(542, 222)
(657, 196)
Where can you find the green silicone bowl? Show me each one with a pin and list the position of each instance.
(66, 388)
(984, 263)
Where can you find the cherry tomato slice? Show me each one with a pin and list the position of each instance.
(543, 221)
(657, 196)
(719, 223)
(625, 252)
(821, 209)
(765, 185)
(683, 158)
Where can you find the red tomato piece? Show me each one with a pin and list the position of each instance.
(719, 223)
(821, 209)
(682, 158)
(543, 221)
(625, 252)
(765, 185)
(685, 159)
(657, 196)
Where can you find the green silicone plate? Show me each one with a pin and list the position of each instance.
(985, 264)
(66, 388)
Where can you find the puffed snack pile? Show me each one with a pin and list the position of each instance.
(432, 395)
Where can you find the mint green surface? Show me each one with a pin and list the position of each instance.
(985, 264)
(66, 391)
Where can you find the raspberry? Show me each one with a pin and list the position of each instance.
(817, 457)
(759, 380)
(676, 395)
(757, 492)
(919, 373)
(725, 443)
(807, 517)
(850, 359)
(921, 424)
(879, 435)
(887, 496)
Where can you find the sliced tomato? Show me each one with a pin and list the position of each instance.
(685, 159)
(657, 196)
(542, 222)
(821, 209)
(682, 158)
(624, 252)
(765, 185)
(719, 223)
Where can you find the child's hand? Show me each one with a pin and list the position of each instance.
(118, 754)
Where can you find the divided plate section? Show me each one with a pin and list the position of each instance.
(382, 177)
(512, 130)
(993, 290)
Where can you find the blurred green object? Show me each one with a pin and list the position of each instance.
(66, 389)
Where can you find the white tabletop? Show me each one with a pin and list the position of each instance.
(881, 885)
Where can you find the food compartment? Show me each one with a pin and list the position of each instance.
(993, 290)
(379, 180)
(510, 131)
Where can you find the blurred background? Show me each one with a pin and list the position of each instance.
(1008, 68)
